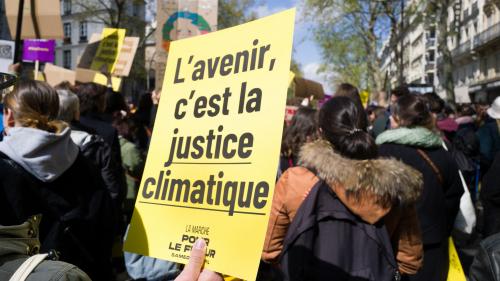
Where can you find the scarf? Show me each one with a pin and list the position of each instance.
(418, 136)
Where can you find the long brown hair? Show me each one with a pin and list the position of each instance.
(35, 104)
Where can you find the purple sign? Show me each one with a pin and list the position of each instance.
(39, 49)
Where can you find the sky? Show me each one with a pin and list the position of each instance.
(305, 50)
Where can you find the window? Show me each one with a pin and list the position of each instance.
(432, 32)
(430, 56)
(135, 10)
(67, 33)
(67, 59)
(67, 7)
(83, 31)
(430, 78)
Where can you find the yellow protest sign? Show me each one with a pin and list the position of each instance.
(213, 158)
(364, 95)
(87, 75)
(108, 50)
(455, 272)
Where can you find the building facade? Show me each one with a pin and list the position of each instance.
(476, 50)
(474, 42)
(78, 28)
(418, 51)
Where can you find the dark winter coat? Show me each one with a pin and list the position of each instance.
(490, 197)
(439, 203)
(78, 219)
(489, 142)
(99, 153)
(486, 264)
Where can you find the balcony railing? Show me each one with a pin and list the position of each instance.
(431, 42)
(462, 49)
(488, 35)
(430, 66)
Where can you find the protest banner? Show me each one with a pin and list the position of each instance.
(6, 55)
(178, 20)
(124, 60)
(88, 75)
(85, 59)
(41, 19)
(108, 50)
(126, 56)
(55, 75)
(41, 50)
(455, 272)
(214, 153)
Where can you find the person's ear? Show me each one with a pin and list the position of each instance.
(8, 118)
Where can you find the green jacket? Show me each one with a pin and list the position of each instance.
(19, 242)
(133, 163)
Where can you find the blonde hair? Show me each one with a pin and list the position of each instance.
(35, 104)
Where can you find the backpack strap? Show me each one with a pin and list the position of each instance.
(27, 267)
(433, 166)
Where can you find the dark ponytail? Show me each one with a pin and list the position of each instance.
(343, 124)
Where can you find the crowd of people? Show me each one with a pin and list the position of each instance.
(361, 194)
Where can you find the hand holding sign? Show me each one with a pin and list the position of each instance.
(194, 269)
(214, 152)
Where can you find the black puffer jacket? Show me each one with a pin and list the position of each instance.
(486, 264)
(490, 197)
(100, 154)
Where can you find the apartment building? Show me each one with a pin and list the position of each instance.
(78, 29)
(419, 52)
(476, 49)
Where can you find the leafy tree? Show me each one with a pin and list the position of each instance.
(234, 12)
(350, 34)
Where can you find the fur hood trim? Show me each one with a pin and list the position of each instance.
(385, 178)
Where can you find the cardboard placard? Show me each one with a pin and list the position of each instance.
(47, 19)
(211, 166)
(41, 50)
(88, 75)
(55, 75)
(178, 20)
(6, 55)
(126, 56)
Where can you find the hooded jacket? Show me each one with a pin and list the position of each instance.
(370, 179)
(18, 242)
(44, 173)
(39, 152)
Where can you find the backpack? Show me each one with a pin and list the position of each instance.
(325, 241)
(79, 219)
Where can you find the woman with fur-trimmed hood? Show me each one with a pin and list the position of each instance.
(343, 213)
